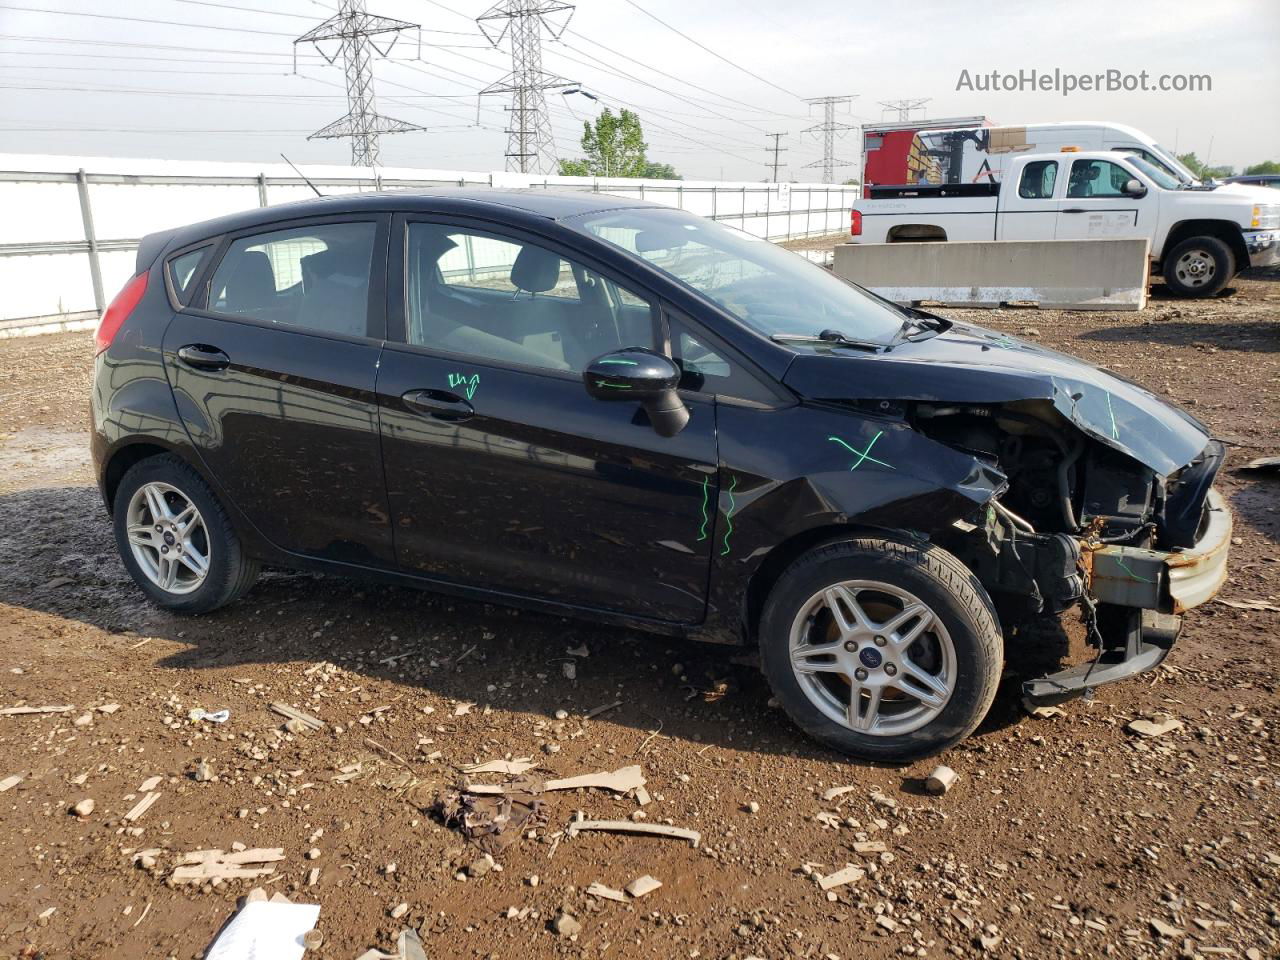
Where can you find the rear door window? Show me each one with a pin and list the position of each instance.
(1038, 179)
(314, 277)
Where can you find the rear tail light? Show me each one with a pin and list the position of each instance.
(855, 224)
(118, 312)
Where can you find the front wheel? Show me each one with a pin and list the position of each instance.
(882, 649)
(176, 540)
(1199, 267)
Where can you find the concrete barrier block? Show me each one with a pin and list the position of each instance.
(1058, 274)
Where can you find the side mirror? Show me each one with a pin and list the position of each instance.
(640, 375)
(1134, 188)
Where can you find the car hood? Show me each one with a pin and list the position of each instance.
(971, 365)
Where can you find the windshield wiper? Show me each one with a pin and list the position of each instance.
(922, 323)
(831, 337)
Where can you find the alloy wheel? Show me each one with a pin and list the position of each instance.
(873, 657)
(167, 537)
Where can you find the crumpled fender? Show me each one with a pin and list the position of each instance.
(970, 365)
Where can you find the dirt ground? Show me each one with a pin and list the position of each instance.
(1065, 836)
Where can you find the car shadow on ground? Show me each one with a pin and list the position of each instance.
(459, 651)
(1251, 337)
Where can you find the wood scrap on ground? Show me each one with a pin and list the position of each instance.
(619, 781)
(293, 713)
(627, 826)
(22, 711)
(849, 874)
(493, 822)
(201, 865)
(510, 767)
(141, 807)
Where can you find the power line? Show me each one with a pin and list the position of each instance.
(703, 46)
(776, 149)
(151, 20)
(669, 76)
(355, 29)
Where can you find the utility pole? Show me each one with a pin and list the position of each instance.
(829, 128)
(775, 150)
(354, 29)
(904, 108)
(530, 142)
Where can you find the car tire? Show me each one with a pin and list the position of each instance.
(176, 540)
(1199, 267)
(946, 661)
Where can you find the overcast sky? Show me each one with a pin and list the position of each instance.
(226, 91)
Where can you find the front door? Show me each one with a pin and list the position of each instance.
(274, 369)
(1095, 206)
(502, 473)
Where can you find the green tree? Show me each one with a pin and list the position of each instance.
(1197, 166)
(615, 147)
(1267, 166)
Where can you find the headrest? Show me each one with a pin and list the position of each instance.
(252, 283)
(536, 270)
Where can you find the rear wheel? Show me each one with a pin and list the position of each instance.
(1199, 267)
(881, 649)
(176, 540)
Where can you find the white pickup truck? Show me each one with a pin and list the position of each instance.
(1201, 235)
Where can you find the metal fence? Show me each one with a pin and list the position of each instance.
(67, 237)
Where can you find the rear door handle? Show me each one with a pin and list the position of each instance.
(203, 357)
(440, 404)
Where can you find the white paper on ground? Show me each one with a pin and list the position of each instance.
(266, 931)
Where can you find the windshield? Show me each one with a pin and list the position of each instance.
(1163, 179)
(771, 290)
(1174, 170)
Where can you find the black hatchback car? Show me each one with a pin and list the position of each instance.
(618, 410)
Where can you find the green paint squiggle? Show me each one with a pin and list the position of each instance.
(728, 517)
(706, 518)
(1115, 431)
(863, 454)
(1125, 567)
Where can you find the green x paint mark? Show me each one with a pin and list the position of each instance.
(462, 380)
(728, 517)
(706, 517)
(863, 454)
(1115, 431)
(1125, 567)
(620, 363)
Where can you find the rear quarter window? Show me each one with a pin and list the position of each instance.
(183, 270)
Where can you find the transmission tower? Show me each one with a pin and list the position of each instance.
(904, 108)
(829, 128)
(530, 143)
(354, 29)
(775, 150)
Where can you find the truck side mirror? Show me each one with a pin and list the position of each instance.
(639, 374)
(1134, 188)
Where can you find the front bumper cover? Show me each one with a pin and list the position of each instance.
(1156, 587)
(1263, 247)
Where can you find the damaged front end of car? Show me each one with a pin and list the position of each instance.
(1108, 504)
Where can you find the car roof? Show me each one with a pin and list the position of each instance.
(534, 202)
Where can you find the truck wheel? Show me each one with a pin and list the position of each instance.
(175, 539)
(881, 649)
(1199, 267)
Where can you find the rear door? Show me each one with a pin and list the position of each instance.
(503, 474)
(273, 367)
(1028, 207)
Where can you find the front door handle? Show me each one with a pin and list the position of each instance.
(440, 404)
(203, 357)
